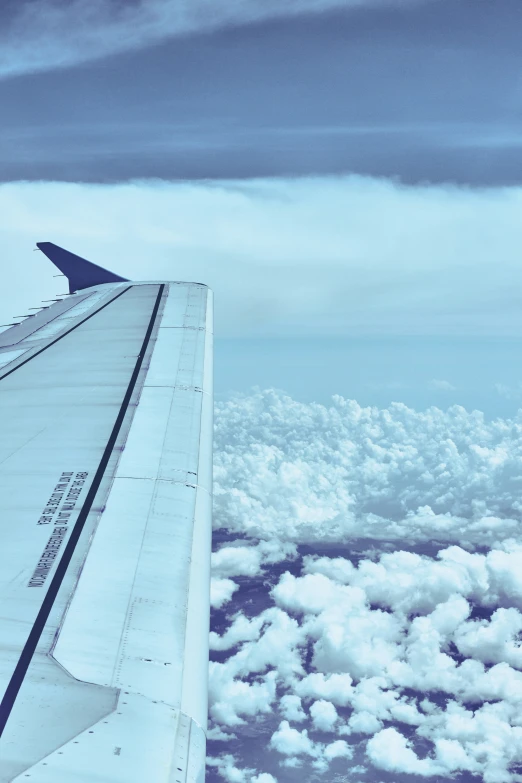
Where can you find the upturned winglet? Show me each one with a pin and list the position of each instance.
(80, 272)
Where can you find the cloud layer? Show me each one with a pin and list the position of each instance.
(307, 473)
(46, 34)
(307, 257)
(405, 661)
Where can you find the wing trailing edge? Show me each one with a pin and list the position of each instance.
(80, 272)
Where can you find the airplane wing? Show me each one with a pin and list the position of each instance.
(105, 524)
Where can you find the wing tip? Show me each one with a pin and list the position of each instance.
(80, 272)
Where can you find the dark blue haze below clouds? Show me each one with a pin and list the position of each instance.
(423, 92)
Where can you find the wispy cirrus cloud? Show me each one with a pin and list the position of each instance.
(440, 385)
(49, 34)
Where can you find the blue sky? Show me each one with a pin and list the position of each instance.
(418, 371)
(347, 176)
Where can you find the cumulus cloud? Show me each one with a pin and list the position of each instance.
(411, 583)
(241, 630)
(337, 750)
(495, 640)
(46, 34)
(238, 559)
(221, 591)
(227, 768)
(309, 473)
(277, 645)
(324, 715)
(408, 661)
(336, 687)
(292, 742)
(390, 750)
(290, 707)
(216, 734)
(295, 746)
(386, 655)
(233, 699)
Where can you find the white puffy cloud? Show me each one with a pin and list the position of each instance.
(324, 715)
(278, 646)
(270, 648)
(308, 473)
(232, 699)
(411, 583)
(291, 708)
(292, 742)
(221, 591)
(337, 750)
(242, 629)
(336, 688)
(486, 741)
(216, 734)
(493, 641)
(353, 635)
(415, 658)
(414, 654)
(313, 593)
(295, 746)
(371, 697)
(381, 631)
(238, 559)
(390, 750)
(363, 722)
(226, 766)
(358, 769)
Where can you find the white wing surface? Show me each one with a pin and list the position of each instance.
(105, 524)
